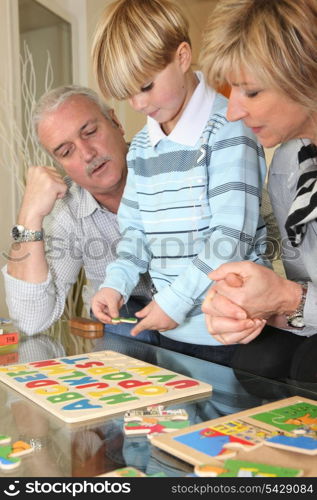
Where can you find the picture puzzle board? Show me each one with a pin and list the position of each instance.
(289, 425)
(99, 384)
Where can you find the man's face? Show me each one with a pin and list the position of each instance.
(89, 147)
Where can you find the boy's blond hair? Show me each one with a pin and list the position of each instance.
(134, 40)
(274, 40)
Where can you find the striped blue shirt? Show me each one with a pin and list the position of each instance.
(187, 208)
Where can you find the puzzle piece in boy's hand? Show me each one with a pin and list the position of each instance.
(120, 319)
(9, 454)
(243, 468)
(155, 411)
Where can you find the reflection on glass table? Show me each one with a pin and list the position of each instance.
(91, 449)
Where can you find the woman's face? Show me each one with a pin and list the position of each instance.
(273, 117)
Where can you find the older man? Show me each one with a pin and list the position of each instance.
(82, 134)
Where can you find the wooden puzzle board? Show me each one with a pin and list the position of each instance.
(99, 384)
(189, 444)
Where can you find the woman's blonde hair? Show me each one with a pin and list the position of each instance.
(134, 40)
(274, 40)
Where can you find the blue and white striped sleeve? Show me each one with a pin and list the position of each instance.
(133, 256)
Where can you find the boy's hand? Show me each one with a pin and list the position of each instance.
(106, 303)
(153, 318)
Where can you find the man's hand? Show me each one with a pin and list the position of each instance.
(243, 298)
(153, 318)
(106, 303)
(27, 261)
(262, 293)
(44, 185)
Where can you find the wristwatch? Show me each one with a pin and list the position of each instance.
(296, 318)
(20, 234)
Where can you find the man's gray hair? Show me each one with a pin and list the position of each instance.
(52, 99)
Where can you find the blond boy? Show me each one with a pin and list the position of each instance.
(192, 196)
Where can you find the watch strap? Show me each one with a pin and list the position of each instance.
(21, 234)
(30, 235)
(296, 318)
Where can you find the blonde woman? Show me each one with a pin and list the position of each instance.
(266, 50)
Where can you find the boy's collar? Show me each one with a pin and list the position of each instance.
(193, 120)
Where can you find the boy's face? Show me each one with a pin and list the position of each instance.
(165, 96)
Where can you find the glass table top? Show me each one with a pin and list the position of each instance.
(95, 448)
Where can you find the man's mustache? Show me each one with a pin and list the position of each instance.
(96, 163)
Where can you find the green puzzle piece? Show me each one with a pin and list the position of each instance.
(7, 462)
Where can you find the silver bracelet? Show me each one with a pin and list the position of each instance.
(296, 318)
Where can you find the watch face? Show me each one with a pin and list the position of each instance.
(16, 232)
